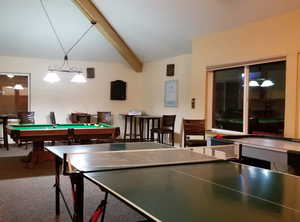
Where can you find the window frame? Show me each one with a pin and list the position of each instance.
(210, 91)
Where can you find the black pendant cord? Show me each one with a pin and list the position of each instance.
(57, 37)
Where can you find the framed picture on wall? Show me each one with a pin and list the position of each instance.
(171, 97)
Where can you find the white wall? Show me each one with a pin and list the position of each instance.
(154, 79)
(65, 97)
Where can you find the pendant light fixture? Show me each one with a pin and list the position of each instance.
(52, 75)
(253, 83)
(18, 87)
(267, 83)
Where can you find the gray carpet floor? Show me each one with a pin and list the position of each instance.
(28, 194)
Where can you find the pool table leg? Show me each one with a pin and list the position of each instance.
(38, 154)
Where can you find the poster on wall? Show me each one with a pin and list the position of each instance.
(171, 93)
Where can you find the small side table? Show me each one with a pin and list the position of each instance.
(128, 119)
(147, 120)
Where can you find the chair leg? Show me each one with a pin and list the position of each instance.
(172, 139)
(162, 138)
(125, 128)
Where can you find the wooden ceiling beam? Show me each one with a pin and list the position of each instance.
(94, 15)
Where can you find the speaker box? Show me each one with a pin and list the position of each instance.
(170, 69)
(118, 90)
(90, 73)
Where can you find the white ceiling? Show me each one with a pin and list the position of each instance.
(154, 29)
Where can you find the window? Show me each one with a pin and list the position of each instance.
(257, 108)
(14, 93)
(267, 98)
(228, 99)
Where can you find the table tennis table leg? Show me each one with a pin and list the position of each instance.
(57, 185)
(77, 181)
(104, 209)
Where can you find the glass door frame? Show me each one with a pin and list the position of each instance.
(29, 84)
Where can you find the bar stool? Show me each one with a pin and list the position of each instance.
(130, 119)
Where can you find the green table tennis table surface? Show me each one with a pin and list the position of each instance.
(211, 192)
(219, 191)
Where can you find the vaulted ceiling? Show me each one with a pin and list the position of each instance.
(153, 29)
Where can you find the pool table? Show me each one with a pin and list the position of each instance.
(39, 133)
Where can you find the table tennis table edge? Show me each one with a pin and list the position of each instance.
(121, 198)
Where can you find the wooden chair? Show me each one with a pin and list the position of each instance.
(195, 127)
(167, 127)
(25, 118)
(80, 118)
(104, 117)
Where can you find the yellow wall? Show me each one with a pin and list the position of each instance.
(154, 78)
(276, 36)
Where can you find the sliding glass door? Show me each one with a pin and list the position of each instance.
(228, 99)
(257, 108)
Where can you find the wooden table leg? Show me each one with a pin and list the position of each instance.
(38, 154)
(134, 127)
(148, 128)
(130, 129)
(125, 128)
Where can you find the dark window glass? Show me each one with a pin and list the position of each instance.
(228, 99)
(267, 98)
(13, 93)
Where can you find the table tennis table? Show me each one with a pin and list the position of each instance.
(177, 184)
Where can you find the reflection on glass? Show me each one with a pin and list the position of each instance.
(13, 93)
(266, 102)
(228, 99)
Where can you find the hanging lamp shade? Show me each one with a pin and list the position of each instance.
(18, 87)
(51, 77)
(267, 83)
(78, 78)
(253, 83)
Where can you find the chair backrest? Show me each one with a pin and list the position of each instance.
(80, 118)
(52, 118)
(194, 127)
(168, 121)
(104, 117)
(26, 117)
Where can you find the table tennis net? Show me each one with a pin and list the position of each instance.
(114, 160)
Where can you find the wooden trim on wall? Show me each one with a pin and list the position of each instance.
(245, 63)
(209, 100)
(297, 98)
